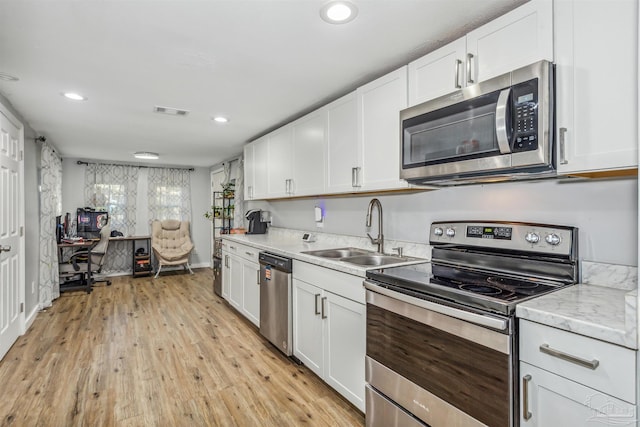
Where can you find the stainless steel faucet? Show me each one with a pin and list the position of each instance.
(380, 239)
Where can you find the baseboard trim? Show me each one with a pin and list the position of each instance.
(31, 317)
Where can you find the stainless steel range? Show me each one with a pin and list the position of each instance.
(442, 337)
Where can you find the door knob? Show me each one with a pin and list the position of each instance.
(5, 248)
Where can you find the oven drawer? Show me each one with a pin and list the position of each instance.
(383, 412)
(605, 367)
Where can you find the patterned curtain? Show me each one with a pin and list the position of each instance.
(238, 216)
(50, 207)
(113, 188)
(169, 194)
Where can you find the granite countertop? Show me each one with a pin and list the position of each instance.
(291, 245)
(605, 313)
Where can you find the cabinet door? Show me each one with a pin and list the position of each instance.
(280, 159)
(437, 73)
(251, 291)
(309, 154)
(345, 347)
(249, 168)
(516, 39)
(552, 400)
(597, 84)
(226, 275)
(343, 164)
(307, 325)
(379, 105)
(235, 282)
(260, 168)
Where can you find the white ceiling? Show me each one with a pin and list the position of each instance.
(259, 62)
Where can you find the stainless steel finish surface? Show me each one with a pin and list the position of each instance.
(217, 276)
(590, 364)
(398, 249)
(563, 147)
(377, 259)
(452, 320)
(501, 121)
(355, 172)
(323, 314)
(456, 71)
(316, 310)
(276, 316)
(380, 239)
(381, 412)
(531, 164)
(420, 402)
(337, 253)
(526, 414)
(469, 73)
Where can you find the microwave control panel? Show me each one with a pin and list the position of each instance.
(525, 116)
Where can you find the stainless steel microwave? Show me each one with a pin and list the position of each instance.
(495, 130)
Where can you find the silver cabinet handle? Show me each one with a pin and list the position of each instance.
(5, 248)
(316, 304)
(226, 261)
(591, 364)
(469, 74)
(501, 122)
(526, 414)
(258, 282)
(232, 247)
(457, 74)
(249, 253)
(354, 177)
(286, 186)
(563, 148)
(291, 190)
(324, 316)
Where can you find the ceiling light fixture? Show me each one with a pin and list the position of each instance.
(338, 12)
(147, 155)
(8, 77)
(220, 119)
(74, 96)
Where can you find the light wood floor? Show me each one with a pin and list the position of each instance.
(163, 352)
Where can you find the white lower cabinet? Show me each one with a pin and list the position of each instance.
(329, 333)
(240, 279)
(569, 380)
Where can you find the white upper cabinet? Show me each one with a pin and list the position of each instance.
(379, 105)
(309, 142)
(343, 163)
(438, 73)
(597, 84)
(516, 39)
(255, 169)
(249, 171)
(280, 162)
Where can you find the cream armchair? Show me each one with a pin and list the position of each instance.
(171, 243)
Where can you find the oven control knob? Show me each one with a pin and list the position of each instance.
(532, 237)
(451, 232)
(438, 231)
(552, 239)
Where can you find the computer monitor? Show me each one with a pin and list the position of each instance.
(90, 223)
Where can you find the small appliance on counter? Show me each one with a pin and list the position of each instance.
(258, 220)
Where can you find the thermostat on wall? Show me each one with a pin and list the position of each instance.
(308, 237)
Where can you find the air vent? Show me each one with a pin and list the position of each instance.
(170, 110)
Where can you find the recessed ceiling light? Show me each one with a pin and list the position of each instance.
(339, 12)
(8, 77)
(74, 96)
(147, 155)
(220, 119)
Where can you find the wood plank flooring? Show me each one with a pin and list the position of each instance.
(163, 352)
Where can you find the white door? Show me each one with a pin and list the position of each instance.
(309, 141)
(11, 243)
(342, 144)
(307, 325)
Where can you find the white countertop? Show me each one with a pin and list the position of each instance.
(605, 313)
(292, 246)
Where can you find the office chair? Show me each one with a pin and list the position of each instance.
(76, 267)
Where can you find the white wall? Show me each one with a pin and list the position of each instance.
(605, 211)
(73, 198)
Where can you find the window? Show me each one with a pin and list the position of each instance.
(169, 194)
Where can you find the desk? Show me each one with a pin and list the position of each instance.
(140, 262)
(71, 280)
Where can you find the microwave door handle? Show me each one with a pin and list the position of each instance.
(501, 122)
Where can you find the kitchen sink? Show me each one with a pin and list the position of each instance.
(338, 253)
(376, 259)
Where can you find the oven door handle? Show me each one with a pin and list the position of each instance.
(502, 131)
(478, 319)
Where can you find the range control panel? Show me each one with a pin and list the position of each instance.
(518, 236)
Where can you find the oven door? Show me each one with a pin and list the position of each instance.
(442, 369)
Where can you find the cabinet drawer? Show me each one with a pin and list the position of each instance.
(614, 374)
(343, 284)
(243, 251)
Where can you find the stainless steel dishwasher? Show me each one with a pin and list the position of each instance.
(276, 316)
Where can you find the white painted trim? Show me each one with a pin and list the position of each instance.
(32, 317)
